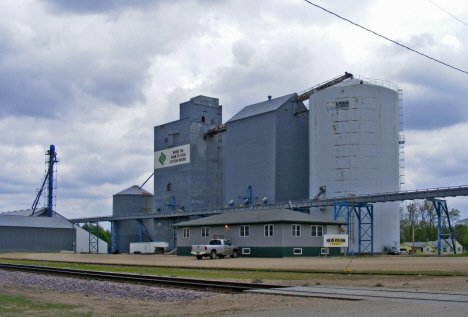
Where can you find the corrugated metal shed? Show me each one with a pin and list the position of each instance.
(135, 190)
(262, 107)
(26, 212)
(35, 222)
(259, 216)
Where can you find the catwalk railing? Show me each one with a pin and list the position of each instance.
(429, 193)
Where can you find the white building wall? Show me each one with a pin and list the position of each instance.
(82, 241)
(354, 150)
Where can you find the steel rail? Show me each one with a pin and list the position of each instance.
(175, 282)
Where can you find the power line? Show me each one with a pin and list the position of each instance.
(448, 12)
(386, 38)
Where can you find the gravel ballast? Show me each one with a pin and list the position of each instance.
(100, 288)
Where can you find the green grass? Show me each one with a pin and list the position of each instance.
(458, 255)
(22, 306)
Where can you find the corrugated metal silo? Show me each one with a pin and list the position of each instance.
(129, 202)
(354, 150)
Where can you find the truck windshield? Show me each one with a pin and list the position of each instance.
(215, 242)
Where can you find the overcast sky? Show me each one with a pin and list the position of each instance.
(94, 78)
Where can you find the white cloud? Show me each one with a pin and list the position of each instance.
(94, 79)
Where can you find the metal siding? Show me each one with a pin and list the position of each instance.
(198, 184)
(355, 151)
(292, 154)
(36, 239)
(305, 240)
(178, 175)
(281, 237)
(129, 231)
(250, 157)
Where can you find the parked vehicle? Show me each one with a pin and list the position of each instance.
(148, 247)
(215, 248)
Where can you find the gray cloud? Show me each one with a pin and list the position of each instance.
(94, 77)
(91, 6)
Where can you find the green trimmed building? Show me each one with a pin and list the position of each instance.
(273, 233)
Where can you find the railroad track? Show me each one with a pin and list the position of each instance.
(175, 282)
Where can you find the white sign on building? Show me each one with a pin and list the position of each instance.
(171, 157)
(335, 240)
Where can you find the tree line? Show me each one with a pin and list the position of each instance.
(103, 234)
(422, 216)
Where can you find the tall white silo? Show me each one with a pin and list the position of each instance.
(354, 150)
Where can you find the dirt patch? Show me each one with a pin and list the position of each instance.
(224, 304)
(396, 263)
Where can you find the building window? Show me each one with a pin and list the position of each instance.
(205, 232)
(296, 230)
(165, 140)
(245, 250)
(186, 232)
(444, 250)
(427, 249)
(244, 231)
(458, 249)
(316, 231)
(324, 251)
(212, 121)
(268, 230)
(297, 251)
(203, 119)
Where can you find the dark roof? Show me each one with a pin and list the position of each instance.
(259, 216)
(135, 190)
(261, 107)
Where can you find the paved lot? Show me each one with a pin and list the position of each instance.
(366, 293)
(377, 263)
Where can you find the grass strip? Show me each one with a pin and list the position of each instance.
(21, 306)
(223, 273)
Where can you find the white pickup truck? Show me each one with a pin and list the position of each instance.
(215, 248)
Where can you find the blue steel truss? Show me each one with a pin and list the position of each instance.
(113, 237)
(93, 239)
(365, 215)
(143, 231)
(444, 227)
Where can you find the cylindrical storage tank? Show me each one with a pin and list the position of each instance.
(130, 202)
(354, 150)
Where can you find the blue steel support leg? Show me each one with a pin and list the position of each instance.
(342, 210)
(357, 212)
(173, 234)
(365, 216)
(113, 237)
(372, 229)
(143, 231)
(438, 229)
(443, 224)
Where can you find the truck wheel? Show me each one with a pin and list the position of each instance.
(220, 256)
(234, 254)
(213, 255)
(199, 257)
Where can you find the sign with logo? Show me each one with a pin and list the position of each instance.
(335, 240)
(338, 105)
(172, 157)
